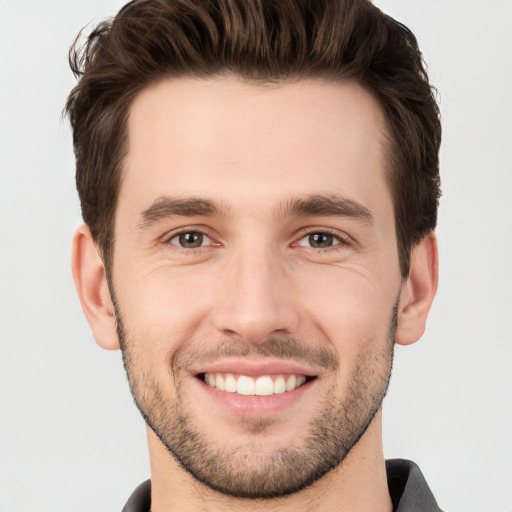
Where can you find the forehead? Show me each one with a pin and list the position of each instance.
(236, 140)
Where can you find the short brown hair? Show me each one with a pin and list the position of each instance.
(269, 40)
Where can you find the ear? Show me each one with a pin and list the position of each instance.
(418, 291)
(91, 284)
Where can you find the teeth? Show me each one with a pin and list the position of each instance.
(262, 386)
(218, 382)
(230, 383)
(279, 385)
(291, 383)
(245, 385)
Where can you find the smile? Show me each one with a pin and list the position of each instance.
(263, 385)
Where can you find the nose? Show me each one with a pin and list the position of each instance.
(256, 298)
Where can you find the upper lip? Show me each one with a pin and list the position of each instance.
(255, 368)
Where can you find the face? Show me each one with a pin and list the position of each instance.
(256, 276)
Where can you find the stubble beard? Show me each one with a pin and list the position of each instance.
(242, 471)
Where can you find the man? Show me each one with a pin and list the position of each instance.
(259, 184)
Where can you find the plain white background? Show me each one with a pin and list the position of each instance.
(71, 439)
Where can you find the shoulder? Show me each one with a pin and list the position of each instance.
(140, 499)
(408, 488)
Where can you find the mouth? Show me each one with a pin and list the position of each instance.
(255, 387)
(258, 385)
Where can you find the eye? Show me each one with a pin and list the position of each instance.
(190, 240)
(320, 240)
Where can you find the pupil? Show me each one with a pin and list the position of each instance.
(191, 240)
(320, 240)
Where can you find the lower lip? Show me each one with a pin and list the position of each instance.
(254, 404)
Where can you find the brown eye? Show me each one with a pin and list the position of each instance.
(190, 240)
(321, 240)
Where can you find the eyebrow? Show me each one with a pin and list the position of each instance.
(165, 207)
(331, 205)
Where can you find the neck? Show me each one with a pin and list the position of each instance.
(358, 484)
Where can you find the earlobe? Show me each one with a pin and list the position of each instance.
(418, 291)
(91, 284)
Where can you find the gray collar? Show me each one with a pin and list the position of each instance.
(407, 487)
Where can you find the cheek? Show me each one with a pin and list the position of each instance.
(351, 308)
(163, 308)
(348, 307)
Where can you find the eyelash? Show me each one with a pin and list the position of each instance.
(342, 241)
(168, 240)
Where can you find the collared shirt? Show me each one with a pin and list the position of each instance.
(407, 487)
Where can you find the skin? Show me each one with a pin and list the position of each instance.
(253, 150)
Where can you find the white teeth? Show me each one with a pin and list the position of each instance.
(219, 382)
(291, 383)
(230, 383)
(245, 385)
(279, 385)
(264, 385)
